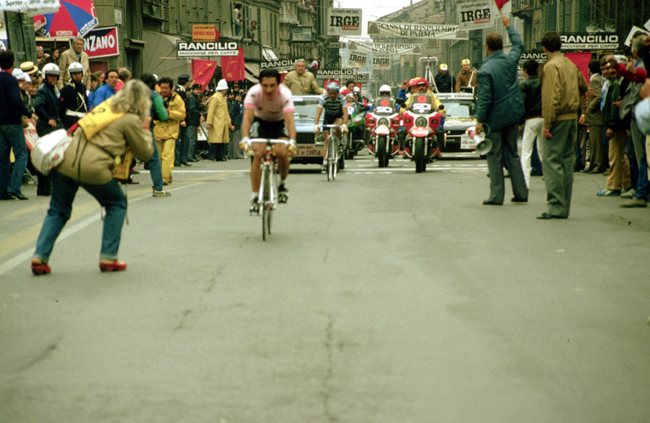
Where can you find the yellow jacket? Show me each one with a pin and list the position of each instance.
(168, 130)
(219, 119)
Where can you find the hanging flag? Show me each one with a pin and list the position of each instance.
(232, 67)
(202, 71)
(501, 3)
(411, 30)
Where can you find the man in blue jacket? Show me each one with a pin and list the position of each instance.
(12, 109)
(500, 106)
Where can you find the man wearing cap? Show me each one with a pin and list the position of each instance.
(12, 135)
(444, 81)
(183, 142)
(467, 77)
(218, 123)
(301, 82)
(75, 54)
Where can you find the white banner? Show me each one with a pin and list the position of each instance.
(344, 22)
(30, 6)
(442, 32)
(386, 48)
(357, 58)
(476, 15)
(381, 61)
(342, 74)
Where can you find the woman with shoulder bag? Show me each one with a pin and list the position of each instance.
(89, 162)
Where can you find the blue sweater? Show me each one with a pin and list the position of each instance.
(12, 107)
(103, 94)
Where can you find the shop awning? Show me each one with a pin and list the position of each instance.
(252, 72)
(160, 55)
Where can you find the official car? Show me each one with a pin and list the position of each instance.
(461, 114)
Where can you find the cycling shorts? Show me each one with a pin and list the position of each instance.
(269, 130)
(331, 119)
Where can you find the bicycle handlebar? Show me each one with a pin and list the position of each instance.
(266, 140)
(331, 126)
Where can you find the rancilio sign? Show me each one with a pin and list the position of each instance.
(589, 41)
(185, 49)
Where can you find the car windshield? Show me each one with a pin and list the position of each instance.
(305, 108)
(460, 109)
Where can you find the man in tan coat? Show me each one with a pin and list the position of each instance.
(466, 77)
(562, 85)
(218, 123)
(72, 55)
(301, 82)
(166, 133)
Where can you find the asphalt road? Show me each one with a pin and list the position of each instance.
(384, 296)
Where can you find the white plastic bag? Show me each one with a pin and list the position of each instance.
(49, 150)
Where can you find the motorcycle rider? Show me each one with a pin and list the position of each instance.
(423, 88)
(73, 101)
(336, 113)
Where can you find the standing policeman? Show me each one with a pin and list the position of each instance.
(73, 100)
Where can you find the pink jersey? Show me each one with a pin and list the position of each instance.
(269, 110)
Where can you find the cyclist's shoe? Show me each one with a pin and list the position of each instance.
(255, 206)
(283, 194)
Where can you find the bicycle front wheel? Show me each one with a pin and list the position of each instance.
(335, 159)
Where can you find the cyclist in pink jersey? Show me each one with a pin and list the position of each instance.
(268, 113)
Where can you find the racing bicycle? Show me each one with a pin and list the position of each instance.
(268, 196)
(332, 153)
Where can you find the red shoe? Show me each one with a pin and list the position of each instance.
(40, 269)
(116, 266)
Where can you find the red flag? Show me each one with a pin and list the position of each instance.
(232, 67)
(202, 71)
(501, 3)
(581, 60)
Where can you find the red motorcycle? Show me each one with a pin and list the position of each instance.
(383, 123)
(422, 124)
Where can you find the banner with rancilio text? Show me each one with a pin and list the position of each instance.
(381, 61)
(386, 48)
(407, 30)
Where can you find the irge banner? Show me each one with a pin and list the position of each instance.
(358, 58)
(476, 15)
(344, 22)
(381, 61)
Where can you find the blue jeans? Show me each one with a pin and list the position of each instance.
(155, 169)
(64, 189)
(12, 136)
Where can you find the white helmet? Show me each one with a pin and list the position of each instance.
(222, 85)
(384, 89)
(357, 89)
(51, 69)
(75, 67)
(342, 89)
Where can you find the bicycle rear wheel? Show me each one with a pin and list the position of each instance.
(329, 159)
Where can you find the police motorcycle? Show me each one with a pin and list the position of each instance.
(356, 126)
(384, 123)
(421, 123)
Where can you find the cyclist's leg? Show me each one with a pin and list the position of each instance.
(282, 154)
(256, 171)
(338, 121)
(326, 134)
